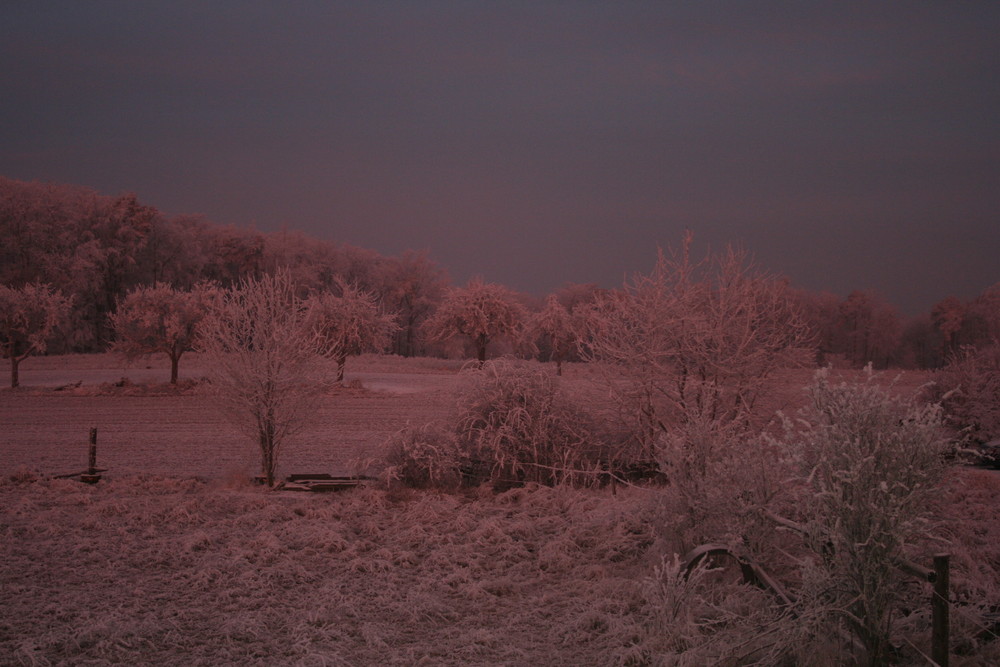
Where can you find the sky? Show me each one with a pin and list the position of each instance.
(846, 145)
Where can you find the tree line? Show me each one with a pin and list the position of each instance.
(83, 256)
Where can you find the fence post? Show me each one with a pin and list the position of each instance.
(92, 453)
(940, 611)
(91, 475)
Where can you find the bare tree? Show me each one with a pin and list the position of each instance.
(479, 311)
(29, 318)
(349, 324)
(159, 319)
(264, 362)
(870, 328)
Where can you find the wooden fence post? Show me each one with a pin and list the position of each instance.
(91, 476)
(92, 453)
(940, 611)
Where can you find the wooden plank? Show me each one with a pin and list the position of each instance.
(77, 474)
(320, 482)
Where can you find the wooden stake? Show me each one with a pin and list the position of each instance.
(92, 453)
(91, 476)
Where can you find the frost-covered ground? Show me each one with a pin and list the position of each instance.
(146, 426)
(164, 571)
(152, 570)
(173, 558)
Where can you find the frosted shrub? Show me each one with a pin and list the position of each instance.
(969, 390)
(717, 479)
(424, 457)
(515, 420)
(674, 598)
(869, 462)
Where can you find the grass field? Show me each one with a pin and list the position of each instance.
(174, 558)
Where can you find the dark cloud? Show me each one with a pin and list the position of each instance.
(848, 145)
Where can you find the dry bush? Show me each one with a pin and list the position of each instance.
(969, 390)
(709, 616)
(21, 475)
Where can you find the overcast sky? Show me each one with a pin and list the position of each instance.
(846, 145)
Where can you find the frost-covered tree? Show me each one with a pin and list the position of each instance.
(349, 323)
(870, 329)
(159, 319)
(983, 318)
(479, 311)
(968, 387)
(693, 344)
(264, 361)
(947, 316)
(414, 285)
(557, 326)
(30, 317)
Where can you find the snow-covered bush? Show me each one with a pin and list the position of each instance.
(717, 479)
(969, 390)
(869, 462)
(855, 475)
(425, 457)
(515, 420)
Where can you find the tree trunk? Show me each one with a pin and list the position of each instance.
(341, 362)
(268, 443)
(267, 454)
(174, 360)
(481, 341)
(14, 380)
